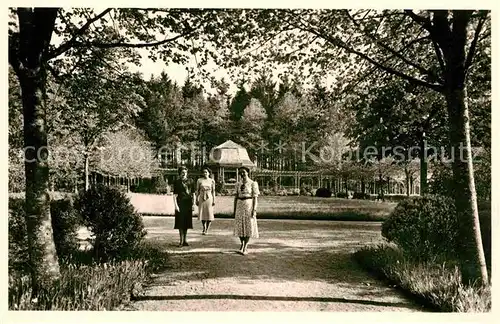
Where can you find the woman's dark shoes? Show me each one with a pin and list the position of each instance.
(185, 244)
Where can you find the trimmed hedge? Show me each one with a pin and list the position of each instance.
(117, 229)
(323, 192)
(424, 227)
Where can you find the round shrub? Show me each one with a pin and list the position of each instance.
(424, 227)
(360, 195)
(341, 194)
(117, 229)
(323, 192)
(161, 186)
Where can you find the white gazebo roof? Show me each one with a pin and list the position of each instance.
(230, 154)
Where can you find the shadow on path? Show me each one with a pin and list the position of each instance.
(275, 298)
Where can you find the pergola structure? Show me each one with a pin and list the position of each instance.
(292, 179)
(321, 179)
(225, 159)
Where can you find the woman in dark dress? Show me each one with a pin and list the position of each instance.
(184, 204)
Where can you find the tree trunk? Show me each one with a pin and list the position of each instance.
(42, 251)
(381, 187)
(87, 183)
(27, 55)
(472, 254)
(473, 264)
(407, 180)
(423, 165)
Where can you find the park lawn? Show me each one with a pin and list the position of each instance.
(312, 208)
(277, 207)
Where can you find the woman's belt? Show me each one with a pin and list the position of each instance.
(244, 198)
(205, 195)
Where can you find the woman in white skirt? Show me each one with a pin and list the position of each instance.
(205, 194)
(245, 209)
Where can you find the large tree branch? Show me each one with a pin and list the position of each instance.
(67, 45)
(439, 55)
(441, 31)
(484, 36)
(473, 45)
(45, 20)
(133, 45)
(339, 43)
(394, 53)
(382, 15)
(335, 41)
(438, 28)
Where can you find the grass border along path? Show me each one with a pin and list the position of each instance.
(437, 286)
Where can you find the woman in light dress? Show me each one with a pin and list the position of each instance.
(205, 194)
(245, 209)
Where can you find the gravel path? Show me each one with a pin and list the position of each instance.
(294, 266)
